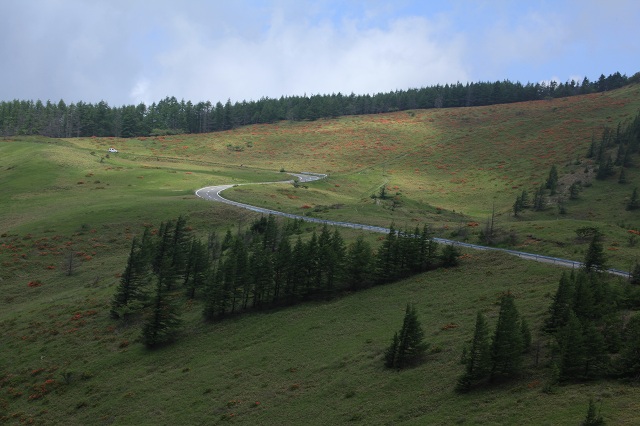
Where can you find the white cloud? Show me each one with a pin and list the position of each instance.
(293, 59)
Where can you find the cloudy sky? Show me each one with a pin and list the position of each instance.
(131, 51)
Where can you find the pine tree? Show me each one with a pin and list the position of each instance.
(561, 306)
(629, 362)
(552, 180)
(163, 320)
(622, 178)
(593, 417)
(449, 256)
(131, 293)
(634, 201)
(584, 303)
(518, 206)
(539, 201)
(478, 358)
(574, 191)
(197, 268)
(407, 345)
(359, 265)
(572, 349)
(595, 259)
(507, 345)
(596, 361)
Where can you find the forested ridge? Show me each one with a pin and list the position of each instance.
(170, 116)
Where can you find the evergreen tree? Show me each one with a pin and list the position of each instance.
(593, 417)
(595, 259)
(131, 293)
(478, 359)
(622, 178)
(196, 268)
(408, 344)
(634, 201)
(561, 306)
(574, 191)
(281, 268)
(359, 265)
(163, 319)
(507, 345)
(596, 360)
(584, 303)
(539, 201)
(518, 206)
(525, 331)
(572, 349)
(552, 180)
(629, 361)
(449, 256)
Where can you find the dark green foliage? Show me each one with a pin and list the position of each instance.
(407, 346)
(572, 349)
(561, 306)
(162, 320)
(359, 265)
(593, 418)
(622, 177)
(635, 274)
(449, 256)
(170, 116)
(197, 268)
(596, 360)
(605, 169)
(552, 180)
(574, 191)
(518, 206)
(629, 361)
(595, 259)
(634, 201)
(539, 199)
(131, 293)
(478, 359)
(507, 345)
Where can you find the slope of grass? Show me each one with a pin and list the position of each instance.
(316, 364)
(320, 363)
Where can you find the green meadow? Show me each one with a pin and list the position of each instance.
(63, 360)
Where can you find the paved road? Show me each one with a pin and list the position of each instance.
(212, 193)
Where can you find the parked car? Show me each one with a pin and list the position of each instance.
(113, 150)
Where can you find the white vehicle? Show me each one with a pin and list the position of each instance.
(113, 150)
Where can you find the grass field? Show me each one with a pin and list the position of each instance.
(311, 364)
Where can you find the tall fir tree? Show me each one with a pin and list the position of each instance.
(572, 349)
(478, 359)
(162, 321)
(131, 293)
(595, 259)
(408, 344)
(507, 345)
(552, 180)
(561, 306)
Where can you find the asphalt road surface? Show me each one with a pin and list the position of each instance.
(212, 193)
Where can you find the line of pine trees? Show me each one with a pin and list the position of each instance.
(268, 265)
(170, 116)
(594, 331)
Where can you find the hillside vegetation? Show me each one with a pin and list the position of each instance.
(64, 360)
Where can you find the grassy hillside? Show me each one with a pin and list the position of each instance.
(312, 364)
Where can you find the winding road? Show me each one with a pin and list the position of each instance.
(212, 193)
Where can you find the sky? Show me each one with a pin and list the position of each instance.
(125, 52)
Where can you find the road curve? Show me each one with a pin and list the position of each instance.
(212, 193)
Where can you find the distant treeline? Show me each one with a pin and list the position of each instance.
(170, 116)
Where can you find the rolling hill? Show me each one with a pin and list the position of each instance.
(65, 361)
